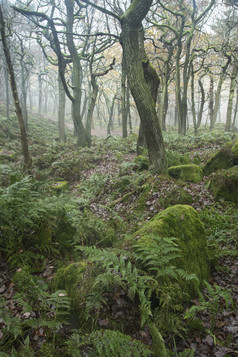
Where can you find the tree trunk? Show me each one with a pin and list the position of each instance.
(82, 139)
(123, 99)
(218, 92)
(110, 121)
(231, 96)
(236, 110)
(143, 81)
(193, 103)
(40, 94)
(7, 92)
(202, 103)
(211, 100)
(24, 143)
(92, 104)
(61, 111)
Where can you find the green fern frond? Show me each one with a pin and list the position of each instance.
(106, 343)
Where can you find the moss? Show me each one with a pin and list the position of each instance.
(60, 186)
(72, 279)
(225, 185)
(220, 160)
(176, 195)
(183, 223)
(191, 173)
(234, 151)
(175, 159)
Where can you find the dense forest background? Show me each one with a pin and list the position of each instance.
(118, 178)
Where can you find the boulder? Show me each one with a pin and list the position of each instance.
(183, 223)
(234, 152)
(222, 159)
(60, 186)
(224, 185)
(190, 173)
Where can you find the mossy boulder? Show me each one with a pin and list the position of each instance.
(190, 173)
(222, 159)
(234, 152)
(224, 185)
(183, 223)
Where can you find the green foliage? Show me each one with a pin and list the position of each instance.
(92, 230)
(118, 271)
(92, 187)
(106, 343)
(29, 222)
(210, 301)
(156, 256)
(175, 158)
(221, 229)
(50, 311)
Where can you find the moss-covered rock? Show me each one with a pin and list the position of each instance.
(234, 151)
(224, 185)
(60, 186)
(191, 173)
(220, 160)
(183, 223)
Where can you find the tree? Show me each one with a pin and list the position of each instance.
(142, 77)
(24, 143)
(180, 22)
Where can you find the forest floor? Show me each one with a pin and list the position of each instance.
(216, 333)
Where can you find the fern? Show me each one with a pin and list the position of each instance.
(106, 343)
(158, 256)
(212, 302)
(116, 270)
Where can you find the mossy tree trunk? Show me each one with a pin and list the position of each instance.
(235, 110)
(82, 138)
(202, 103)
(123, 99)
(24, 143)
(143, 81)
(231, 95)
(211, 99)
(218, 91)
(61, 111)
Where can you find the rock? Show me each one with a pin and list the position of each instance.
(220, 160)
(183, 223)
(234, 151)
(190, 173)
(224, 185)
(60, 186)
